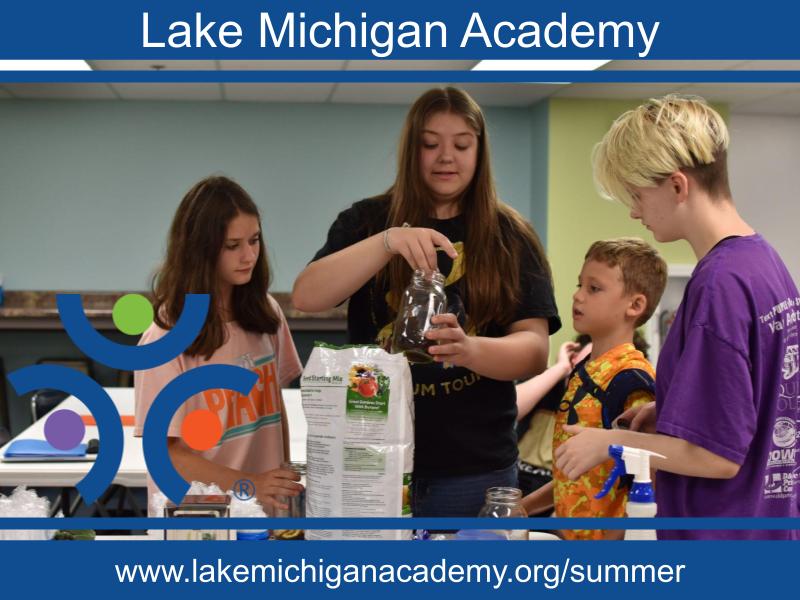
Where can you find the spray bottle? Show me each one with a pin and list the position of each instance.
(641, 502)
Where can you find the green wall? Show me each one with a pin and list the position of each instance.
(576, 214)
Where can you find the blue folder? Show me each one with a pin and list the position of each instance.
(40, 450)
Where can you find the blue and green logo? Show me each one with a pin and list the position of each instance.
(132, 314)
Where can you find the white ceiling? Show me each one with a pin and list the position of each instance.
(757, 98)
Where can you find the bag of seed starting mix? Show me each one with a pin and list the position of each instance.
(359, 405)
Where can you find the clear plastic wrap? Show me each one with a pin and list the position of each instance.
(24, 503)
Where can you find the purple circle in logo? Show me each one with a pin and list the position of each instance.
(64, 429)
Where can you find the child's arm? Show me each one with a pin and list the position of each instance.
(530, 392)
(712, 442)
(193, 467)
(539, 500)
(589, 447)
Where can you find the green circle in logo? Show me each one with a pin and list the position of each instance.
(132, 314)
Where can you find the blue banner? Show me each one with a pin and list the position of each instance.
(123, 569)
(381, 31)
(349, 29)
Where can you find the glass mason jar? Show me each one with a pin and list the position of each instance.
(297, 504)
(423, 299)
(505, 502)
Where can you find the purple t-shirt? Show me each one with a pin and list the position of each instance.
(728, 380)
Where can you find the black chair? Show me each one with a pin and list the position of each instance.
(83, 365)
(4, 436)
(43, 401)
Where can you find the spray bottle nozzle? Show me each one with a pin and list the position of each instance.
(630, 460)
(614, 452)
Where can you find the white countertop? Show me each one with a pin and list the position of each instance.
(132, 471)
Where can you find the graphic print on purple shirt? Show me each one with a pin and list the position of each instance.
(728, 380)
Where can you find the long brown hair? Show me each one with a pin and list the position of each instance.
(497, 236)
(195, 240)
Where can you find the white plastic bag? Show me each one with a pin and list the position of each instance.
(359, 405)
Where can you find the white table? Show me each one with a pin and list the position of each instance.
(132, 470)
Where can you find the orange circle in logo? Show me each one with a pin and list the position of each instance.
(201, 430)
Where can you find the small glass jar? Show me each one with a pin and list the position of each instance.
(297, 504)
(423, 299)
(505, 502)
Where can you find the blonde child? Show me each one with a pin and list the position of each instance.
(726, 410)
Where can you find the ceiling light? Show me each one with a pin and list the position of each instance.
(539, 65)
(44, 65)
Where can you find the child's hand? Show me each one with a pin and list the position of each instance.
(454, 345)
(641, 417)
(565, 354)
(278, 482)
(587, 448)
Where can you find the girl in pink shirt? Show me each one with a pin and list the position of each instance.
(215, 247)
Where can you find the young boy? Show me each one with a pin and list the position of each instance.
(728, 391)
(619, 286)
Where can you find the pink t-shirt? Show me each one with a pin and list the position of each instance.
(252, 439)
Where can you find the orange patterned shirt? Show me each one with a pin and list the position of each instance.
(576, 498)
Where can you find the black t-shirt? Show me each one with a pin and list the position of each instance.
(464, 423)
